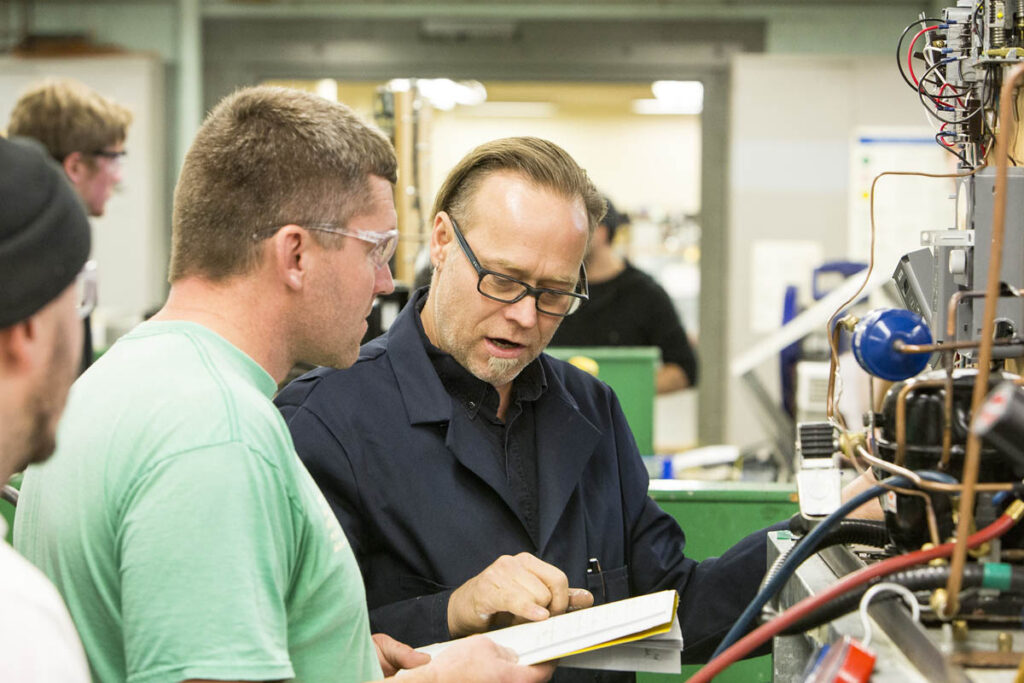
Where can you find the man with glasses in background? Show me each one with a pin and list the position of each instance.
(44, 242)
(178, 523)
(85, 133)
(479, 481)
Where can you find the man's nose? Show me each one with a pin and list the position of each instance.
(383, 282)
(523, 312)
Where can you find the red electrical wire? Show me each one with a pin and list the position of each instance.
(942, 138)
(761, 634)
(910, 50)
(938, 100)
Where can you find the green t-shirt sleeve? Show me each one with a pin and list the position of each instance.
(207, 542)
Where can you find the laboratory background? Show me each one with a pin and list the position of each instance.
(826, 193)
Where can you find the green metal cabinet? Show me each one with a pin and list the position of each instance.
(630, 371)
(714, 517)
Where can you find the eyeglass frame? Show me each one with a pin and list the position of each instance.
(528, 290)
(374, 237)
(90, 290)
(113, 156)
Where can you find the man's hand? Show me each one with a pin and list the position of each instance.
(870, 510)
(512, 590)
(478, 659)
(394, 656)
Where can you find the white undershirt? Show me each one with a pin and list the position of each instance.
(38, 642)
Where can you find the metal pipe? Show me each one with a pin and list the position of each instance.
(933, 525)
(902, 347)
(901, 414)
(972, 459)
(947, 362)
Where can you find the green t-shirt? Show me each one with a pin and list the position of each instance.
(183, 531)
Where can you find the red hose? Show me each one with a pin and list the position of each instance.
(761, 634)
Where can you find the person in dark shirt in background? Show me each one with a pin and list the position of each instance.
(628, 308)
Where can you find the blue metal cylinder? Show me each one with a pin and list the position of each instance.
(873, 339)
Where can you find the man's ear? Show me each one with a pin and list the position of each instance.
(18, 345)
(440, 237)
(289, 248)
(76, 167)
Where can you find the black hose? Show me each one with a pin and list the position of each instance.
(921, 578)
(859, 531)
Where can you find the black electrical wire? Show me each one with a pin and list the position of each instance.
(919, 579)
(921, 94)
(899, 49)
(958, 155)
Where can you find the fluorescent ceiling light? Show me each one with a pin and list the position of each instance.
(399, 84)
(673, 97)
(442, 93)
(327, 88)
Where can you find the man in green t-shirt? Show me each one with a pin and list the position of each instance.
(179, 525)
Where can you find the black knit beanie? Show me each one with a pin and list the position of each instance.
(44, 232)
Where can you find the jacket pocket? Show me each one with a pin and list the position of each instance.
(609, 585)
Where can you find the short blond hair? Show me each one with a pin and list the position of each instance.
(267, 157)
(66, 116)
(541, 161)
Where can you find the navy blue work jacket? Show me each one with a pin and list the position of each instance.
(426, 506)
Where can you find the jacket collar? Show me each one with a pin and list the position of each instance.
(566, 439)
(425, 398)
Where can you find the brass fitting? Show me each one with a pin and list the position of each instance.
(848, 442)
(943, 607)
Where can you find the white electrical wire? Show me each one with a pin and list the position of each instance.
(902, 591)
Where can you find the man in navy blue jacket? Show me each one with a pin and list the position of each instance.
(480, 482)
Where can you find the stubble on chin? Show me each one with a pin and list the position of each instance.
(502, 370)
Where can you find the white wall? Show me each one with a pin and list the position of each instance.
(129, 242)
(791, 126)
(641, 161)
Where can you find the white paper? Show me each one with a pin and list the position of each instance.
(555, 637)
(655, 654)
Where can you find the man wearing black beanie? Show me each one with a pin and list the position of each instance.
(44, 244)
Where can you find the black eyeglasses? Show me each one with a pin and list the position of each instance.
(509, 290)
(116, 156)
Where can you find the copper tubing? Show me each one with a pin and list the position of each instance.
(901, 424)
(833, 369)
(954, 301)
(933, 525)
(833, 338)
(1007, 97)
(947, 363)
(901, 414)
(901, 347)
(947, 349)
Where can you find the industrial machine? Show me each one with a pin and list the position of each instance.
(947, 442)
